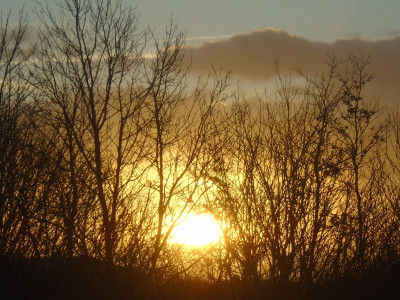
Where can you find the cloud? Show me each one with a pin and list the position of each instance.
(252, 56)
(209, 37)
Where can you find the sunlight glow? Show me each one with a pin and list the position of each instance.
(196, 230)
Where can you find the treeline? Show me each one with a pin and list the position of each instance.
(105, 146)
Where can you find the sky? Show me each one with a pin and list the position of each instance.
(247, 36)
(321, 20)
(317, 20)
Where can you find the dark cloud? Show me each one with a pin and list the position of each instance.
(252, 56)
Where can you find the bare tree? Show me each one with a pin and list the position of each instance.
(235, 198)
(278, 172)
(360, 131)
(89, 70)
(180, 128)
(324, 93)
(285, 173)
(391, 188)
(21, 168)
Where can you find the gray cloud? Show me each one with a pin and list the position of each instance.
(252, 56)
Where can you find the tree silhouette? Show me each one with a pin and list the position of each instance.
(107, 142)
(88, 69)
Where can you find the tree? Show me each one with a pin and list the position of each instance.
(285, 173)
(234, 197)
(360, 131)
(89, 70)
(324, 93)
(180, 126)
(21, 168)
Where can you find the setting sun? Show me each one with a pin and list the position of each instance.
(196, 230)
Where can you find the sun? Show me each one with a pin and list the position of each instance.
(196, 230)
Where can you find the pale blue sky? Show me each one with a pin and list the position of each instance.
(317, 20)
